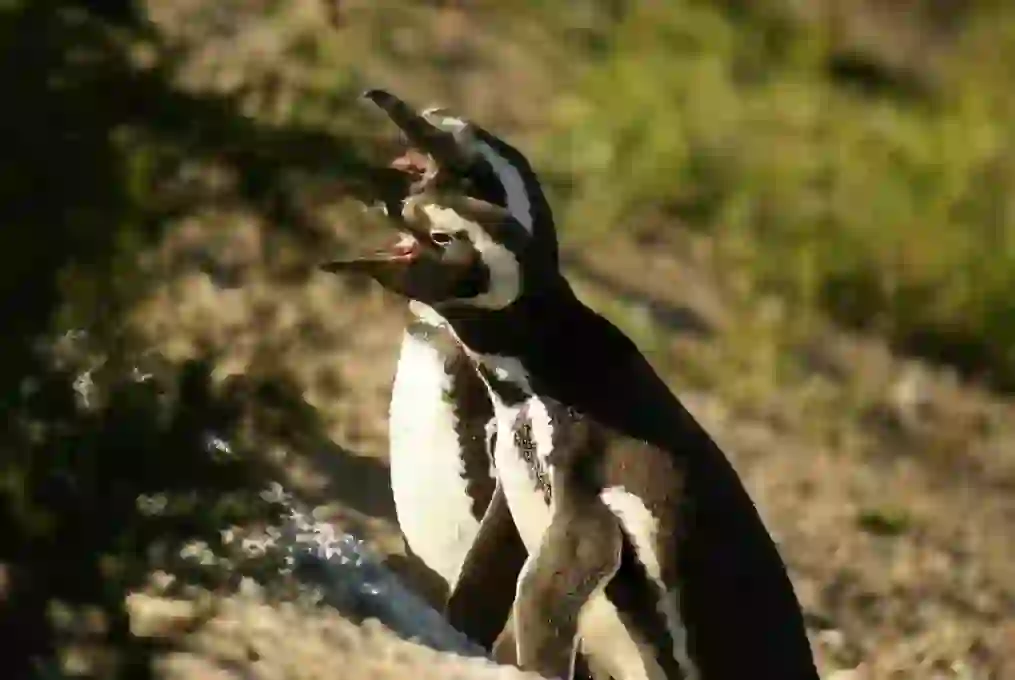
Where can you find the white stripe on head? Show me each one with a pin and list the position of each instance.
(518, 203)
(505, 271)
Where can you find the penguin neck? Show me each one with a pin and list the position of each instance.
(455, 380)
(438, 419)
(551, 345)
(547, 342)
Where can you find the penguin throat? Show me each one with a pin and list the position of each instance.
(506, 377)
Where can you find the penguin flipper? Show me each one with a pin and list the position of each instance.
(579, 554)
(480, 602)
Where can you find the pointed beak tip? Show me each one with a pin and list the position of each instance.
(350, 264)
(380, 98)
(364, 264)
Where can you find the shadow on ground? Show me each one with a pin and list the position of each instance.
(110, 467)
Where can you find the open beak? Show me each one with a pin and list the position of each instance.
(439, 144)
(412, 268)
(430, 148)
(414, 244)
(383, 262)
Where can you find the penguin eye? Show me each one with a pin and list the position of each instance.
(442, 238)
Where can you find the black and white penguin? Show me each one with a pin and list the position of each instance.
(441, 427)
(440, 434)
(643, 543)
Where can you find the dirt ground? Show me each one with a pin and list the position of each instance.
(889, 486)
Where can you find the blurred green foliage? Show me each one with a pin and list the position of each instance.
(856, 158)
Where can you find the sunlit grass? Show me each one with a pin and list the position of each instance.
(881, 209)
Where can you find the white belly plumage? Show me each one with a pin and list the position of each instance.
(609, 645)
(427, 474)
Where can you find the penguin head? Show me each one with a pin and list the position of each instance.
(447, 151)
(476, 223)
(454, 251)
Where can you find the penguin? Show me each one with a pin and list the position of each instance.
(441, 434)
(440, 441)
(439, 438)
(441, 426)
(643, 544)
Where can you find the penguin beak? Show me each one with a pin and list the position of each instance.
(439, 144)
(416, 243)
(405, 268)
(428, 150)
(415, 266)
(409, 268)
(384, 264)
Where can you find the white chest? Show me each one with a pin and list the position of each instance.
(432, 503)
(514, 463)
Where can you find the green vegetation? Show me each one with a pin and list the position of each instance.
(865, 177)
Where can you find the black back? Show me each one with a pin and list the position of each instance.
(737, 600)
